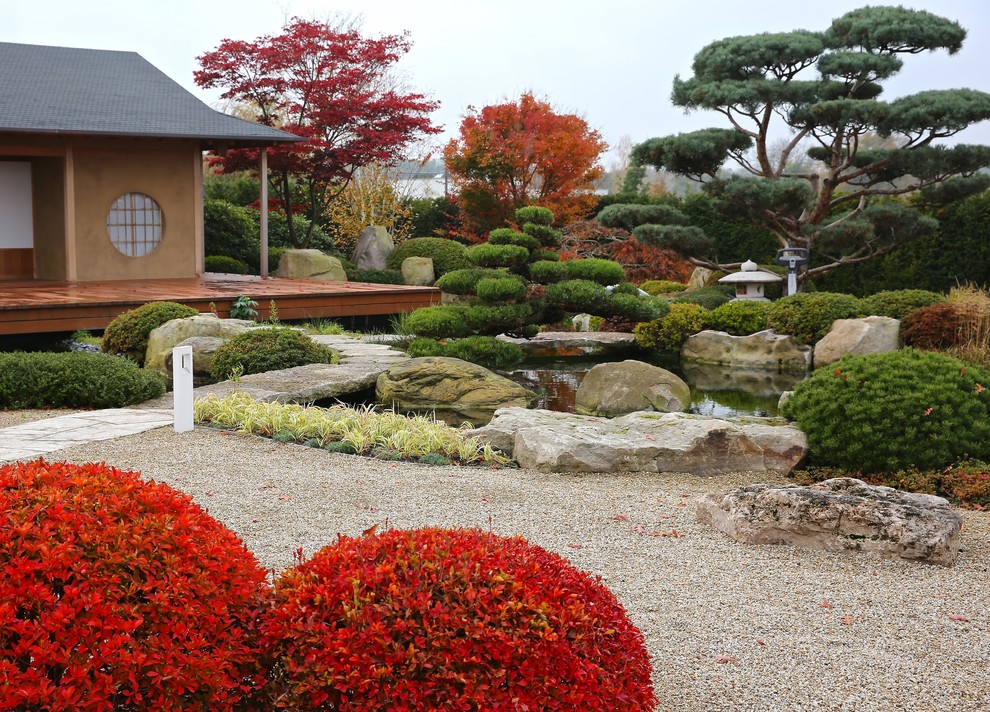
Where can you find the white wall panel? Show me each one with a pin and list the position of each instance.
(16, 222)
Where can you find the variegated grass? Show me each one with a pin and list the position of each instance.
(363, 428)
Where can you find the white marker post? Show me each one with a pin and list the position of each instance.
(182, 388)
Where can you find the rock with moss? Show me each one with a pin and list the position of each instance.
(373, 248)
(762, 350)
(310, 264)
(166, 337)
(858, 337)
(418, 271)
(612, 389)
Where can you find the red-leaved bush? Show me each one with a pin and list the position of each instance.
(436, 619)
(120, 594)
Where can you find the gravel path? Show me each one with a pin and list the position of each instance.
(729, 626)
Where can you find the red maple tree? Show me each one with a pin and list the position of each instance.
(522, 153)
(330, 85)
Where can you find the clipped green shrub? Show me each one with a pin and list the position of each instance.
(535, 214)
(544, 255)
(68, 380)
(898, 303)
(545, 271)
(491, 319)
(740, 318)
(669, 332)
(579, 295)
(230, 231)
(375, 276)
(545, 235)
(932, 328)
(884, 412)
(638, 309)
(485, 351)
(225, 265)
(501, 289)
(447, 255)
(489, 255)
(709, 297)
(268, 349)
(662, 286)
(465, 281)
(439, 322)
(605, 272)
(627, 288)
(807, 316)
(127, 335)
(508, 236)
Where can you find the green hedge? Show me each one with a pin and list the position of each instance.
(80, 380)
(225, 265)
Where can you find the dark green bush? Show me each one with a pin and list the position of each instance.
(274, 255)
(501, 289)
(627, 288)
(487, 319)
(240, 189)
(485, 351)
(278, 232)
(225, 265)
(634, 308)
(439, 322)
(545, 235)
(605, 272)
(669, 332)
(447, 255)
(740, 318)
(544, 255)
(534, 214)
(127, 335)
(508, 236)
(465, 281)
(896, 304)
(230, 230)
(489, 255)
(885, 412)
(662, 286)
(74, 380)
(375, 276)
(807, 316)
(708, 297)
(579, 295)
(545, 272)
(268, 349)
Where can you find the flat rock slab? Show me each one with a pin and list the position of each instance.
(575, 343)
(842, 514)
(644, 441)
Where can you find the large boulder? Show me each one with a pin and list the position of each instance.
(373, 248)
(870, 335)
(842, 514)
(764, 349)
(612, 389)
(310, 264)
(418, 271)
(575, 343)
(203, 350)
(644, 442)
(166, 337)
(699, 277)
(449, 384)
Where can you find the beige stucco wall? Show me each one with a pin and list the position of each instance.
(48, 189)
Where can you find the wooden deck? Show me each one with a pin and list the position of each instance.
(31, 306)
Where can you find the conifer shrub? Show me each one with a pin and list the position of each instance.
(439, 322)
(508, 236)
(932, 328)
(436, 619)
(579, 295)
(127, 334)
(490, 255)
(662, 286)
(74, 380)
(485, 351)
(465, 281)
(898, 303)
(535, 214)
(268, 349)
(670, 331)
(547, 272)
(121, 594)
(225, 265)
(807, 316)
(709, 297)
(375, 276)
(500, 289)
(545, 255)
(494, 319)
(885, 412)
(447, 255)
(604, 272)
(636, 309)
(740, 318)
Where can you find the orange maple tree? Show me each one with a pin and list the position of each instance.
(523, 153)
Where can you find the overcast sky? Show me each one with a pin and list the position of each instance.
(610, 61)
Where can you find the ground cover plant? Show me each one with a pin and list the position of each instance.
(452, 619)
(120, 594)
(361, 431)
(127, 334)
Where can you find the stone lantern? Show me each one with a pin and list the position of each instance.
(750, 281)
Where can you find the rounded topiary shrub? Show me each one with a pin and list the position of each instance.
(579, 295)
(740, 317)
(121, 594)
(548, 271)
(534, 214)
(489, 255)
(437, 619)
(662, 286)
(669, 332)
(898, 303)
(74, 380)
(127, 335)
(485, 351)
(508, 236)
(268, 349)
(439, 322)
(933, 327)
(637, 309)
(709, 297)
(465, 281)
(447, 255)
(605, 272)
(494, 319)
(807, 316)
(884, 412)
(501, 289)
(225, 265)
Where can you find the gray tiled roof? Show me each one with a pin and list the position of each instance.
(101, 92)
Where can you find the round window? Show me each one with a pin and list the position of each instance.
(135, 224)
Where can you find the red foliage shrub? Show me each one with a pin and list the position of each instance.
(120, 594)
(586, 238)
(931, 328)
(438, 619)
(969, 483)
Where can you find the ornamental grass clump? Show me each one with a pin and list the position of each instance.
(361, 430)
(446, 619)
(884, 412)
(121, 594)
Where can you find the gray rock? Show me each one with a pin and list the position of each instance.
(764, 349)
(166, 337)
(617, 388)
(842, 514)
(310, 264)
(373, 248)
(448, 384)
(644, 442)
(870, 335)
(590, 343)
(754, 381)
(203, 350)
(418, 271)
(699, 277)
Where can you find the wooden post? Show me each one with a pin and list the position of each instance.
(264, 211)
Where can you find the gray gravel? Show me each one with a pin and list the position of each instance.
(729, 626)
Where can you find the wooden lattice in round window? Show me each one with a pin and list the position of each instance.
(135, 224)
